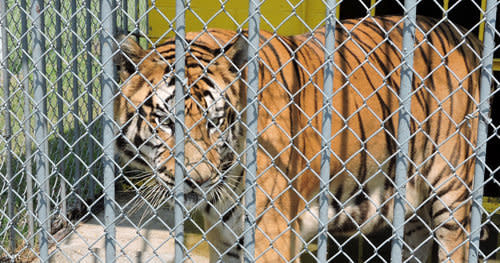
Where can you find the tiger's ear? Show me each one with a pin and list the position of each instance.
(128, 56)
(237, 53)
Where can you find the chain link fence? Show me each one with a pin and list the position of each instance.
(127, 138)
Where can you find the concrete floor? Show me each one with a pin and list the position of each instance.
(151, 242)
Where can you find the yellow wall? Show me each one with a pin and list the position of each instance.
(212, 14)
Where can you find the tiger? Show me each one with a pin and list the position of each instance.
(363, 147)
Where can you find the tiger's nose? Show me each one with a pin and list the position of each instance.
(196, 181)
(198, 174)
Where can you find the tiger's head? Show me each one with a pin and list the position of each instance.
(144, 109)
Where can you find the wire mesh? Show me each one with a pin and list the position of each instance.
(312, 131)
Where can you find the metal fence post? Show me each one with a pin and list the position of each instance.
(326, 130)
(75, 149)
(108, 85)
(180, 82)
(27, 123)
(40, 91)
(90, 101)
(8, 130)
(136, 18)
(60, 110)
(482, 132)
(410, 10)
(251, 134)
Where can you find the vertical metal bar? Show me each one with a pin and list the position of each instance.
(40, 110)
(251, 135)
(410, 8)
(108, 24)
(8, 129)
(326, 130)
(60, 109)
(27, 122)
(180, 33)
(76, 108)
(482, 132)
(90, 100)
(136, 18)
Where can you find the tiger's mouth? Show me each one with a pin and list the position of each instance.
(194, 199)
(194, 192)
(209, 188)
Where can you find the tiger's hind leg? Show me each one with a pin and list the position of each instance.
(417, 237)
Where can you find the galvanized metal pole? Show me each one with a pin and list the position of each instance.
(326, 131)
(76, 175)
(90, 100)
(180, 82)
(60, 110)
(251, 134)
(136, 17)
(482, 132)
(107, 83)
(40, 113)
(27, 124)
(8, 129)
(410, 10)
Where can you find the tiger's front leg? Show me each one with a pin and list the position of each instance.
(275, 240)
(276, 229)
(224, 228)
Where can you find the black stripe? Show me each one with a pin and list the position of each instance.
(167, 70)
(452, 226)
(201, 66)
(233, 254)
(140, 120)
(192, 56)
(241, 243)
(360, 198)
(443, 190)
(149, 100)
(138, 140)
(420, 227)
(336, 202)
(121, 142)
(228, 214)
(208, 83)
(362, 173)
(191, 44)
(207, 208)
(440, 212)
(162, 169)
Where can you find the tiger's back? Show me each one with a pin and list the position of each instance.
(364, 128)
